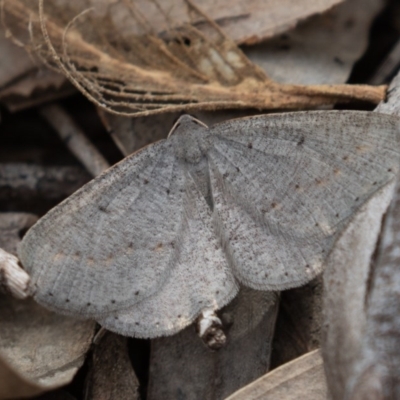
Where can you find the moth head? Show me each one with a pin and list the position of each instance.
(186, 123)
(193, 139)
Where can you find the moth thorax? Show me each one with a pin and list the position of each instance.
(193, 146)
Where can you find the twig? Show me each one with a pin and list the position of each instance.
(74, 138)
(13, 278)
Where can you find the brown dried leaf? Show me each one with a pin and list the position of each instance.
(302, 378)
(24, 82)
(144, 73)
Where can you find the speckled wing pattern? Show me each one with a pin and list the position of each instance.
(284, 186)
(172, 229)
(118, 239)
(200, 279)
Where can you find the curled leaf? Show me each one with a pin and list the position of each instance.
(142, 71)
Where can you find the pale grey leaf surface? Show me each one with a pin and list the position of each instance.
(39, 350)
(182, 364)
(322, 49)
(346, 281)
(154, 240)
(302, 378)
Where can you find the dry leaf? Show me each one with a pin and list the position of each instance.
(142, 73)
(345, 290)
(299, 323)
(321, 50)
(378, 367)
(302, 378)
(360, 344)
(39, 350)
(295, 57)
(74, 138)
(110, 373)
(182, 364)
(24, 83)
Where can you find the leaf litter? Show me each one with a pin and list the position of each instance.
(144, 73)
(39, 350)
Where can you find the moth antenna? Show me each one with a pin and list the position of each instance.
(185, 117)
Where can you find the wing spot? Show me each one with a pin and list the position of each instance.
(179, 316)
(109, 259)
(237, 169)
(225, 175)
(130, 248)
(356, 199)
(301, 141)
(113, 301)
(276, 206)
(390, 170)
(50, 294)
(159, 247)
(361, 149)
(375, 183)
(88, 304)
(136, 293)
(250, 145)
(297, 187)
(217, 292)
(168, 191)
(307, 266)
(286, 274)
(137, 323)
(145, 181)
(345, 158)
(57, 257)
(67, 300)
(337, 215)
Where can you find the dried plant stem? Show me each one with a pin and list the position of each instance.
(74, 139)
(170, 80)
